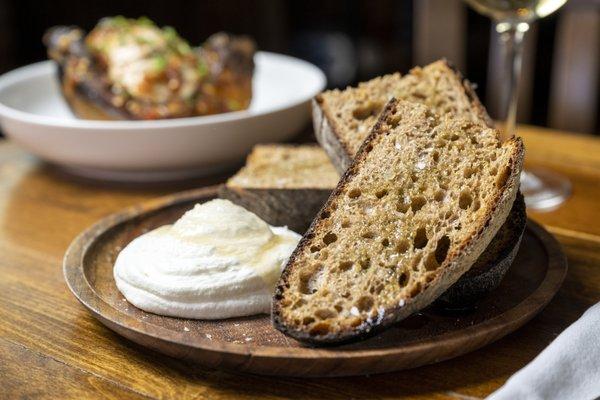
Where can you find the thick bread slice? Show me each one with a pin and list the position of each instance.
(421, 201)
(343, 119)
(288, 184)
(283, 184)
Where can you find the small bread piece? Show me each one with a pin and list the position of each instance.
(286, 185)
(423, 198)
(343, 119)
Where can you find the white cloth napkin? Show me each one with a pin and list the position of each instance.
(569, 368)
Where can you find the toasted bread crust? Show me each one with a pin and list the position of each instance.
(330, 135)
(295, 203)
(489, 269)
(469, 90)
(294, 208)
(284, 184)
(457, 262)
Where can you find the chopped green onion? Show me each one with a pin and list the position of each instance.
(202, 69)
(184, 48)
(160, 63)
(118, 21)
(170, 33)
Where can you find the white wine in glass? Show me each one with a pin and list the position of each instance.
(516, 10)
(542, 189)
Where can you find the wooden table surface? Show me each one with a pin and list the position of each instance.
(51, 347)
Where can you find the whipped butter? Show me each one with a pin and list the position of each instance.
(217, 261)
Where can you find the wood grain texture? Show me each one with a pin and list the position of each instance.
(252, 344)
(30, 375)
(42, 211)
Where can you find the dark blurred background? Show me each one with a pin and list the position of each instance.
(358, 39)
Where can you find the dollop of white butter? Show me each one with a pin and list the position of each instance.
(217, 261)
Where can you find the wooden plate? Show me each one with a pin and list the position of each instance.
(252, 345)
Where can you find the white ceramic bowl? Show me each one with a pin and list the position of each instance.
(34, 114)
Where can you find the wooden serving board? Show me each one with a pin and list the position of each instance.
(252, 345)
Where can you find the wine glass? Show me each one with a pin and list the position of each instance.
(542, 189)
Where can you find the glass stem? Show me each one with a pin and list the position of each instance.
(512, 36)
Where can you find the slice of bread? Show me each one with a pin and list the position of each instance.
(286, 185)
(278, 175)
(343, 119)
(423, 198)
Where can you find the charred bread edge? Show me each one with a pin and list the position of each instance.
(460, 260)
(327, 133)
(294, 208)
(469, 88)
(474, 286)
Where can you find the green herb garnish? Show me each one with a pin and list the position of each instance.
(143, 20)
(202, 69)
(159, 63)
